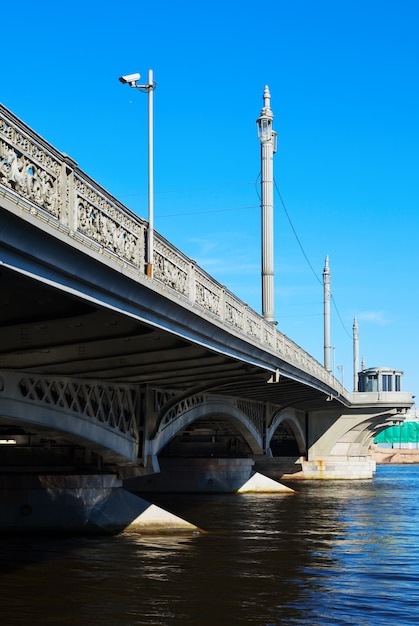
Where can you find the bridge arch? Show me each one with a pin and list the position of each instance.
(290, 439)
(240, 418)
(88, 413)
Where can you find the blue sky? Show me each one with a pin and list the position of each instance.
(343, 77)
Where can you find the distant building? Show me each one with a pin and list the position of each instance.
(380, 379)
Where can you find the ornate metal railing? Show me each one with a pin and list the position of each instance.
(51, 187)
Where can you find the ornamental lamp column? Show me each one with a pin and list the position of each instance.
(356, 352)
(267, 138)
(326, 314)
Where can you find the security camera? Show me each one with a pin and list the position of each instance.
(129, 79)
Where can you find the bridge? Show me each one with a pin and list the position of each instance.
(112, 378)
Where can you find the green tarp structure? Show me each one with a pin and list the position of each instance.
(404, 433)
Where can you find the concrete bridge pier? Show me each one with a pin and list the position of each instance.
(202, 443)
(205, 475)
(339, 442)
(102, 503)
(91, 503)
(339, 468)
(328, 443)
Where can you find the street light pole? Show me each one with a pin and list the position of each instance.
(150, 247)
(356, 352)
(267, 138)
(341, 368)
(326, 314)
(131, 80)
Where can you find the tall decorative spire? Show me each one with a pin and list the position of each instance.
(267, 102)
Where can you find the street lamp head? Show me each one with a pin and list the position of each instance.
(264, 122)
(130, 79)
(264, 128)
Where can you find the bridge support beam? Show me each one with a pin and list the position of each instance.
(339, 443)
(79, 504)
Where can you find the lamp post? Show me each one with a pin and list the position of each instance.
(326, 315)
(356, 352)
(131, 80)
(341, 369)
(267, 138)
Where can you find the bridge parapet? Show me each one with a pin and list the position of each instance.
(46, 186)
(56, 187)
(399, 399)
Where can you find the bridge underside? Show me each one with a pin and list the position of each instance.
(65, 315)
(47, 331)
(54, 332)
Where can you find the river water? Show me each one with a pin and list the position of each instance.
(336, 553)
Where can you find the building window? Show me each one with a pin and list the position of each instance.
(386, 382)
(368, 383)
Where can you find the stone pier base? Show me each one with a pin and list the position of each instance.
(205, 475)
(79, 504)
(331, 468)
(351, 468)
(258, 483)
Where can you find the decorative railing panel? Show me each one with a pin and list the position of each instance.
(255, 411)
(99, 219)
(233, 312)
(171, 268)
(29, 168)
(208, 293)
(113, 406)
(182, 407)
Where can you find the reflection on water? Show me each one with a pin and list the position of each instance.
(334, 553)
